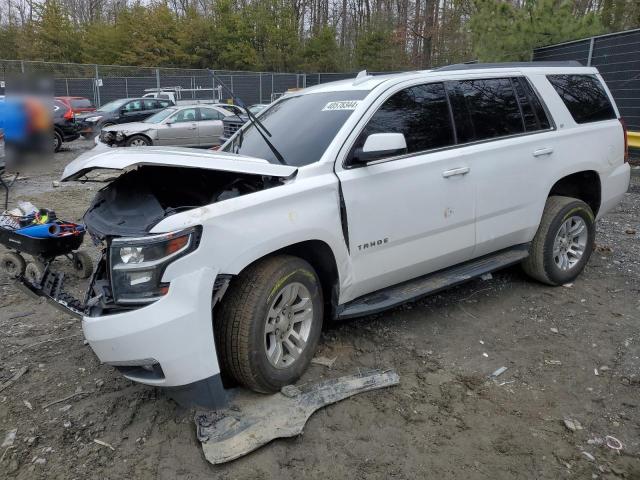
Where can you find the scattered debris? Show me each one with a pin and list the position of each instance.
(13, 379)
(589, 457)
(55, 184)
(568, 285)
(498, 372)
(324, 361)
(595, 372)
(572, 424)
(485, 354)
(9, 438)
(604, 368)
(66, 424)
(27, 404)
(104, 444)
(486, 276)
(613, 443)
(65, 408)
(553, 330)
(630, 231)
(77, 394)
(40, 461)
(254, 420)
(553, 362)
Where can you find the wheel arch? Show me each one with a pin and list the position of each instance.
(141, 135)
(584, 185)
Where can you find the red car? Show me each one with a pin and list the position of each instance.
(77, 104)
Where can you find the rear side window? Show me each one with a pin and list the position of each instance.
(80, 103)
(485, 109)
(533, 113)
(165, 103)
(420, 113)
(584, 97)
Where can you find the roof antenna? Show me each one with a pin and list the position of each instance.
(362, 76)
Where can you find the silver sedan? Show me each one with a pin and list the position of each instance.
(186, 126)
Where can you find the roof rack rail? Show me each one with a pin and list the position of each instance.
(477, 66)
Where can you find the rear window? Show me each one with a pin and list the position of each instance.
(80, 103)
(485, 109)
(584, 97)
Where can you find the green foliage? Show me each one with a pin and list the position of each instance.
(502, 32)
(321, 52)
(377, 50)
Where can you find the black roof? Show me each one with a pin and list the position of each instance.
(477, 66)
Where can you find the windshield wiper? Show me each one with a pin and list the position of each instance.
(262, 130)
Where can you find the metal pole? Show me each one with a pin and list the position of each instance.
(593, 40)
(66, 82)
(260, 87)
(272, 77)
(126, 87)
(232, 91)
(97, 87)
(158, 78)
(22, 66)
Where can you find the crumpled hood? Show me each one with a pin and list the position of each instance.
(133, 127)
(125, 159)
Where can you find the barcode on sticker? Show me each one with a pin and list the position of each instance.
(341, 105)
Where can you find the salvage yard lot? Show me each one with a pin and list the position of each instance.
(444, 420)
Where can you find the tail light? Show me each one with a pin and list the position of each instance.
(69, 115)
(626, 141)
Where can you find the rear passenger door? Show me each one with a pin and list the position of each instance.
(505, 135)
(132, 112)
(413, 213)
(210, 126)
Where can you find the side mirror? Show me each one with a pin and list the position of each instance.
(380, 145)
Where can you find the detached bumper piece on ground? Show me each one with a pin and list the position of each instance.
(253, 420)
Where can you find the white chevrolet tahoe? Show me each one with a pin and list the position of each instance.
(340, 200)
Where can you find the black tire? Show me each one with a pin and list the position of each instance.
(541, 263)
(138, 138)
(57, 141)
(82, 264)
(12, 264)
(242, 319)
(34, 272)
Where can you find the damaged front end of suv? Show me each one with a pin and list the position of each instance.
(149, 297)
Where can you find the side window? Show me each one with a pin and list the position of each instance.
(164, 103)
(420, 113)
(484, 109)
(186, 115)
(210, 114)
(533, 113)
(150, 104)
(584, 97)
(134, 106)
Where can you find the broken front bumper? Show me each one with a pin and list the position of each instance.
(168, 343)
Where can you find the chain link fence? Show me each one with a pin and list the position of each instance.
(103, 83)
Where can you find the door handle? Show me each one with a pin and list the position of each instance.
(455, 171)
(542, 151)
(193, 126)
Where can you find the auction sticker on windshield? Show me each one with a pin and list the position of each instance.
(341, 105)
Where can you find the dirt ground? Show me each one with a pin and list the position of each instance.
(445, 420)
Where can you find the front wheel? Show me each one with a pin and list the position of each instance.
(138, 141)
(269, 323)
(563, 243)
(57, 141)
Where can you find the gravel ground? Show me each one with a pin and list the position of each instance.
(445, 419)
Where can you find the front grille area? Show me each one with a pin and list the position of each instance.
(231, 127)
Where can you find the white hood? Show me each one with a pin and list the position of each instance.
(121, 159)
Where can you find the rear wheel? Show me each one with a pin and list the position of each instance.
(82, 264)
(12, 264)
(138, 141)
(269, 323)
(563, 243)
(57, 141)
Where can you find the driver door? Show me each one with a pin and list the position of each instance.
(180, 129)
(412, 213)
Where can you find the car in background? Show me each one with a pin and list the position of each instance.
(65, 127)
(186, 126)
(233, 124)
(123, 110)
(77, 104)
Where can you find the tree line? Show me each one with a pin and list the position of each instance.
(299, 35)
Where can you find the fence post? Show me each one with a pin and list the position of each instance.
(232, 84)
(97, 99)
(158, 78)
(260, 87)
(22, 66)
(590, 51)
(126, 87)
(272, 87)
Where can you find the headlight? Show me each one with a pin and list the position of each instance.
(137, 264)
(119, 136)
(93, 119)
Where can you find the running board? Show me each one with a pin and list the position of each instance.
(419, 287)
